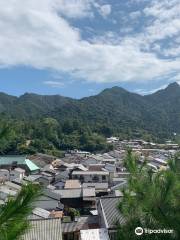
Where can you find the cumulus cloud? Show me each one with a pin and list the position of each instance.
(74, 8)
(38, 34)
(166, 19)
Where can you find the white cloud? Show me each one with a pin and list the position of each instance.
(135, 15)
(105, 10)
(74, 8)
(166, 21)
(54, 84)
(147, 92)
(176, 78)
(172, 52)
(36, 34)
(126, 30)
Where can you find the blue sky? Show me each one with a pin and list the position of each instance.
(77, 48)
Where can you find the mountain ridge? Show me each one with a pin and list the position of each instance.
(116, 88)
(116, 108)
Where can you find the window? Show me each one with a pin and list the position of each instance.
(104, 178)
(81, 178)
(95, 178)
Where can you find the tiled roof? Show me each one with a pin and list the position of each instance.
(44, 229)
(46, 203)
(110, 211)
(75, 193)
(69, 193)
(86, 222)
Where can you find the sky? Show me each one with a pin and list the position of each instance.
(77, 48)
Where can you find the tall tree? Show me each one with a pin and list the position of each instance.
(151, 200)
(13, 215)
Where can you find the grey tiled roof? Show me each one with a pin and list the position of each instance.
(69, 193)
(44, 229)
(83, 223)
(110, 211)
(72, 227)
(46, 203)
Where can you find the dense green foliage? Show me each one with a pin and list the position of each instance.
(13, 215)
(154, 203)
(52, 124)
(46, 135)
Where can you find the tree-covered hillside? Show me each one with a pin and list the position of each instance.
(55, 123)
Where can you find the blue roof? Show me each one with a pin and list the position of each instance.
(31, 165)
(8, 160)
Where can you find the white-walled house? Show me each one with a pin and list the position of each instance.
(91, 176)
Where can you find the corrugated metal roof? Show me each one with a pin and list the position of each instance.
(44, 229)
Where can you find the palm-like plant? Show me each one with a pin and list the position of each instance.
(13, 215)
(155, 202)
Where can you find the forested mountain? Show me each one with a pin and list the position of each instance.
(113, 111)
(30, 105)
